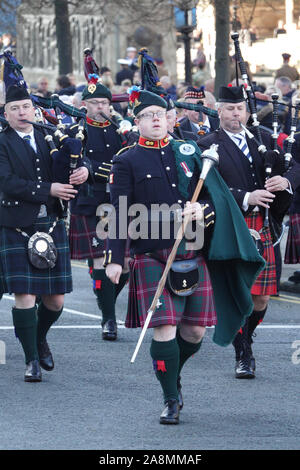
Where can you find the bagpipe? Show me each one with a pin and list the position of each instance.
(269, 156)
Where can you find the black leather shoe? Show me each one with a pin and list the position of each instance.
(109, 330)
(170, 414)
(180, 397)
(295, 279)
(243, 369)
(33, 372)
(46, 358)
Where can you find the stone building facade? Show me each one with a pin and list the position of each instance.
(107, 30)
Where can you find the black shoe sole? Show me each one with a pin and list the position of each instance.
(245, 376)
(167, 421)
(109, 338)
(32, 379)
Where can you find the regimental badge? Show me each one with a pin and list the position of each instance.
(92, 88)
(136, 102)
(186, 169)
(187, 149)
(95, 243)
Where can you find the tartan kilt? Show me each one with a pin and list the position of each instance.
(197, 309)
(17, 273)
(292, 249)
(266, 283)
(83, 239)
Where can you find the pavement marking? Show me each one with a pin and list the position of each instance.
(287, 299)
(122, 325)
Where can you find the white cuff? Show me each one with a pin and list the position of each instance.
(245, 204)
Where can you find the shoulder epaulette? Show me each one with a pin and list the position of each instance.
(125, 148)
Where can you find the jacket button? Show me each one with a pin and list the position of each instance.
(173, 185)
(148, 176)
(168, 168)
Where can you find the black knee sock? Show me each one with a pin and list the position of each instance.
(25, 323)
(165, 355)
(254, 320)
(240, 341)
(46, 318)
(105, 292)
(118, 287)
(186, 349)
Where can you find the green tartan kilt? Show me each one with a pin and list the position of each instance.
(197, 309)
(17, 275)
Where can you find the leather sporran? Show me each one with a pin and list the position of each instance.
(257, 241)
(183, 277)
(42, 251)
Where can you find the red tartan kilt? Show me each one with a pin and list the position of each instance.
(197, 309)
(83, 239)
(292, 249)
(265, 283)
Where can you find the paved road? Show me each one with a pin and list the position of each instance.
(96, 399)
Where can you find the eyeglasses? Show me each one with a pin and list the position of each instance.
(150, 115)
(95, 103)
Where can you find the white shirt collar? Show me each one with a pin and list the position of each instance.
(22, 134)
(206, 122)
(231, 134)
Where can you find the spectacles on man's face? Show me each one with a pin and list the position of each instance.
(101, 103)
(150, 115)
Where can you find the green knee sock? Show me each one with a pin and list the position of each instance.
(186, 350)
(165, 355)
(25, 323)
(46, 318)
(118, 287)
(105, 292)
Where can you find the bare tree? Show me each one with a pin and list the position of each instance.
(63, 36)
(222, 43)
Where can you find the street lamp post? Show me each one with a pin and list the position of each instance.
(186, 29)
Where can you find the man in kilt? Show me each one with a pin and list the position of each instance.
(102, 143)
(292, 250)
(32, 182)
(157, 171)
(242, 168)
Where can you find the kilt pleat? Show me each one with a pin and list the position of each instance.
(18, 274)
(83, 239)
(292, 249)
(266, 283)
(197, 309)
